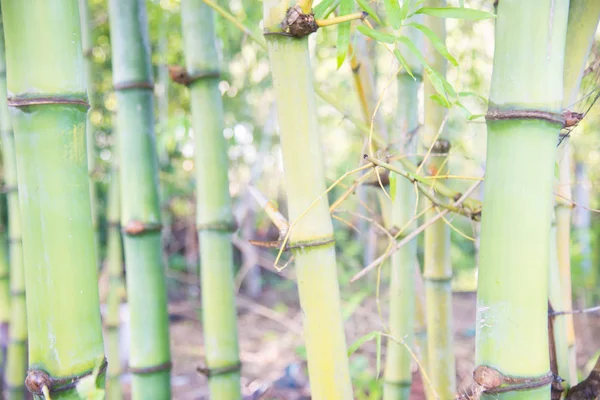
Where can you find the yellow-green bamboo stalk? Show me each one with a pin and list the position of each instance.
(512, 298)
(312, 232)
(214, 212)
(116, 285)
(583, 20)
(150, 355)
(16, 359)
(398, 374)
(437, 270)
(48, 105)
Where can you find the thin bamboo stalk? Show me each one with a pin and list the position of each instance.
(116, 285)
(149, 358)
(398, 373)
(303, 165)
(87, 45)
(16, 360)
(437, 271)
(214, 213)
(48, 109)
(583, 20)
(512, 300)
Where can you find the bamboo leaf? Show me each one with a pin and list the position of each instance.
(376, 35)
(470, 116)
(394, 13)
(456, 12)
(405, 7)
(321, 9)
(368, 9)
(478, 96)
(343, 32)
(403, 63)
(436, 41)
(360, 341)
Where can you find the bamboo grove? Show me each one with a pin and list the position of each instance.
(396, 155)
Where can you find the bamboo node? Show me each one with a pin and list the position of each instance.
(218, 226)
(37, 380)
(46, 100)
(9, 188)
(128, 85)
(136, 228)
(299, 24)
(295, 245)
(180, 75)
(227, 369)
(496, 115)
(166, 366)
(494, 382)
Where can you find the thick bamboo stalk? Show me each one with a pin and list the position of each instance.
(583, 20)
(214, 212)
(87, 45)
(512, 300)
(303, 165)
(398, 374)
(16, 358)
(437, 271)
(116, 289)
(48, 107)
(150, 356)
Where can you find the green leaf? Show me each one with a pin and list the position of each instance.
(442, 101)
(403, 63)
(368, 9)
(376, 35)
(360, 341)
(325, 7)
(476, 95)
(470, 116)
(436, 42)
(456, 12)
(392, 185)
(405, 7)
(394, 13)
(343, 32)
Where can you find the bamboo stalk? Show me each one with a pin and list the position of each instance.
(214, 213)
(150, 358)
(16, 358)
(402, 324)
(87, 45)
(437, 271)
(583, 20)
(303, 165)
(512, 299)
(116, 285)
(48, 109)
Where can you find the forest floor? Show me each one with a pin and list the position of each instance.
(270, 333)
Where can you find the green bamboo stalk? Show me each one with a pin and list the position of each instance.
(437, 270)
(512, 301)
(87, 45)
(16, 359)
(303, 165)
(398, 374)
(149, 357)
(583, 20)
(116, 289)
(214, 213)
(48, 107)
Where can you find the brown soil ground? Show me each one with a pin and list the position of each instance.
(270, 331)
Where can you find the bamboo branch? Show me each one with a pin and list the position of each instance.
(361, 15)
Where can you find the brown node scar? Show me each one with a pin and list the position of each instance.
(494, 381)
(572, 118)
(299, 24)
(180, 75)
(38, 379)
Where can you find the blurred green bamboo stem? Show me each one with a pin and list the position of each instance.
(512, 299)
(149, 358)
(398, 374)
(16, 357)
(312, 230)
(437, 270)
(583, 21)
(116, 285)
(48, 107)
(87, 45)
(556, 300)
(215, 221)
